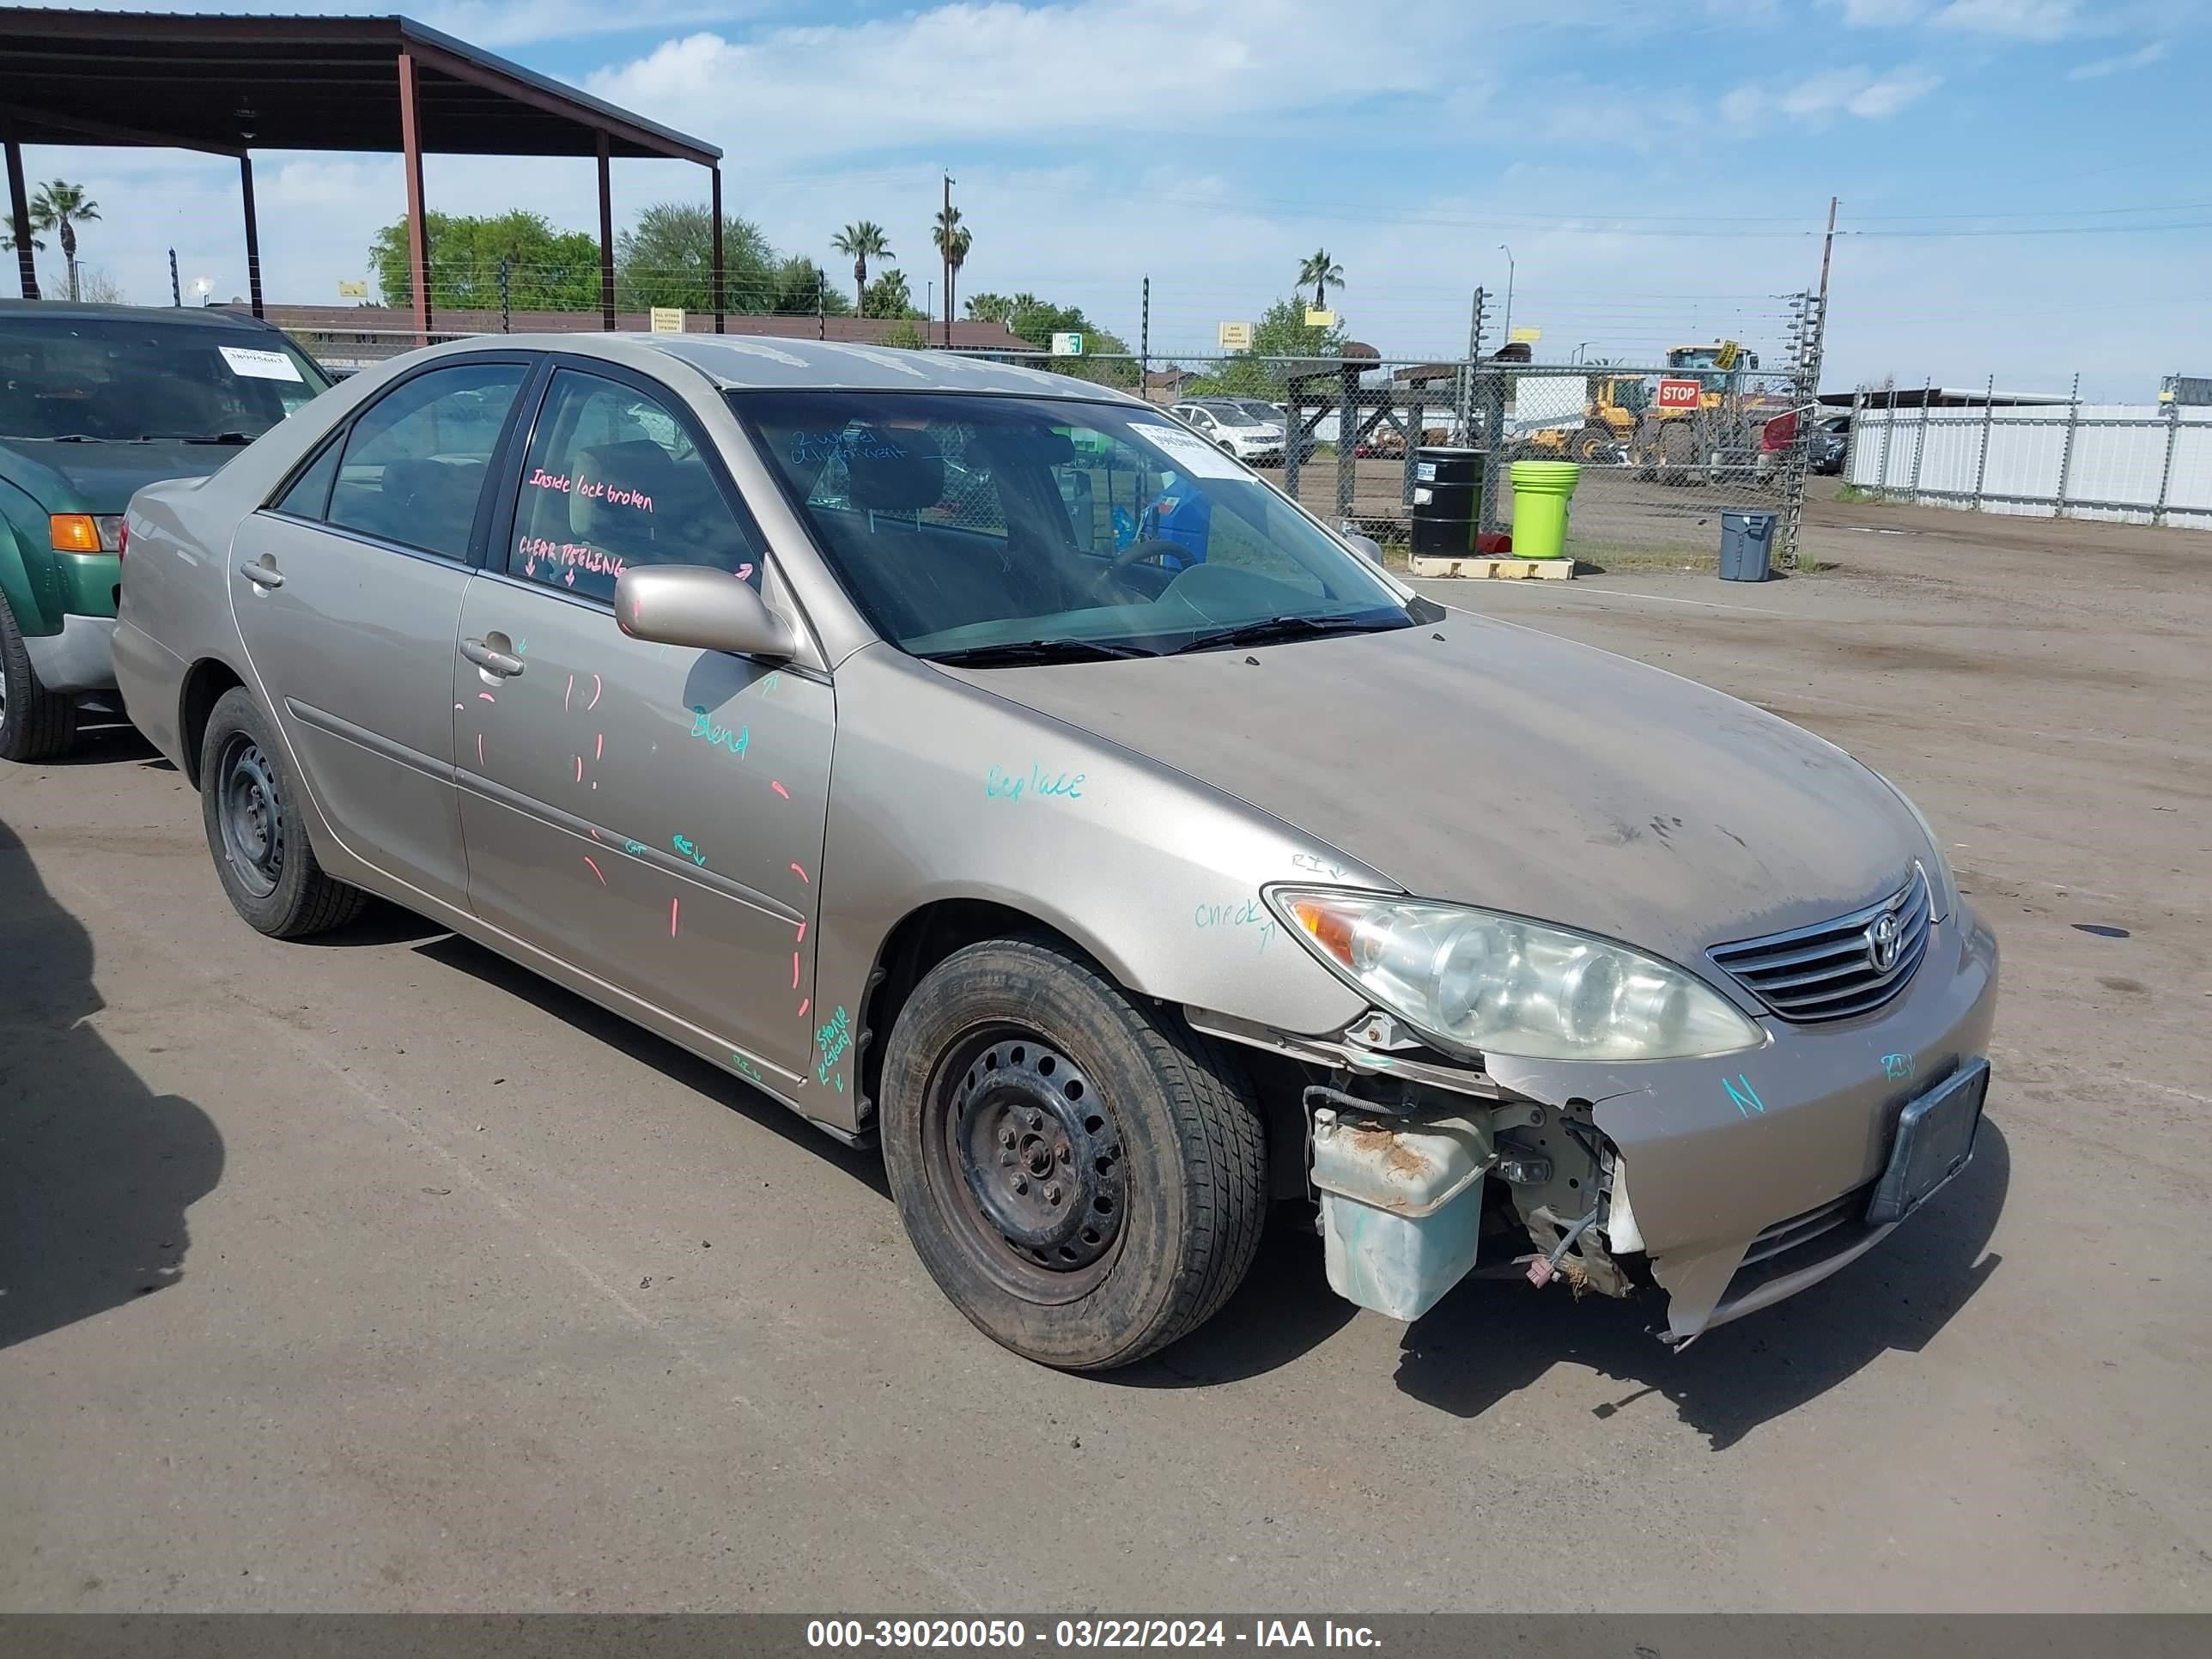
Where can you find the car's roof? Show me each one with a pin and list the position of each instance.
(739, 361)
(184, 316)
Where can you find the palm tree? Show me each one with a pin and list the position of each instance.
(1323, 273)
(861, 243)
(952, 244)
(63, 207)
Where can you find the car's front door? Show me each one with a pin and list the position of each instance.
(651, 815)
(347, 589)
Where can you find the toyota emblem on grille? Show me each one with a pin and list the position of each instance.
(1881, 942)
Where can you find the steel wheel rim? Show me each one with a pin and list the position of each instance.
(1012, 1120)
(250, 811)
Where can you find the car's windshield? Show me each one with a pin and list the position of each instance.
(963, 524)
(1262, 414)
(1231, 414)
(127, 379)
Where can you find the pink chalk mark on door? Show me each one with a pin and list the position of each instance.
(579, 768)
(480, 759)
(672, 904)
(486, 696)
(599, 745)
(569, 693)
(594, 702)
(595, 869)
(801, 939)
(779, 789)
(794, 970)
(802, 875)
(805, 1003)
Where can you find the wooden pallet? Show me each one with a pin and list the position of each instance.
(1554, 570)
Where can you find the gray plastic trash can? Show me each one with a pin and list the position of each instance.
(1747, 546)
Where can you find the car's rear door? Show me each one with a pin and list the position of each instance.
(651, 815)
(348, 588)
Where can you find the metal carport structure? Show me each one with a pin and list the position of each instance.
(222, 85)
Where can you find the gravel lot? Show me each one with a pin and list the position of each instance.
(376, 1275)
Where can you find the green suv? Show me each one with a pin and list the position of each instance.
(95, 401)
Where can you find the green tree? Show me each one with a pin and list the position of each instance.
(1105, 361)
(888, 296)
(952, 240)
(860, 243)
(549, 270)
(906, 335)
(63, 207)
(1322, 272)
(1281, 332)
(802, 289)
(990, 308)
(667, 259)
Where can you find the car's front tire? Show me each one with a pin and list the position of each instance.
(35, 724)
(1084, 1182)
(249, 802)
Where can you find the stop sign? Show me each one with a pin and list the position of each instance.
(1678, 394)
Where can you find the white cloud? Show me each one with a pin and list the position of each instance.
(2015, 20)
(969, 71)
(1881, 14)
(2139, 59)
(1819, 99)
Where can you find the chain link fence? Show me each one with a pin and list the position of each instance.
(2035, 456)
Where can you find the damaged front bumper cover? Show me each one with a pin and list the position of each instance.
(1739, 1180)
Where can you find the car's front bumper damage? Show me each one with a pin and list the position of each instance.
(1730, 1183)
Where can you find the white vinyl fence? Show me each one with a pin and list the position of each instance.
(2135, 463)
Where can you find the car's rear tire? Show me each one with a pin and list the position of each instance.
(35, 724)
(1084, 1182)
(249, 802)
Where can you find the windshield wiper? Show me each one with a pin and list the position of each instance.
(1270, 630)
(190, 438)
(1019, 651)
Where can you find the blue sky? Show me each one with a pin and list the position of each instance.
(2027, 185)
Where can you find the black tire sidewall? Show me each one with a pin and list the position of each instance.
(37, 724)
(280, 911)
(1073, 1007)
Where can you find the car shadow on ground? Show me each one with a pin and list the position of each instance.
(1491, 1339)
(96, 1171)
(108, 740)
(678, 1065)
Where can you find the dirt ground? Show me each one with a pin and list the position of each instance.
(377, 1274)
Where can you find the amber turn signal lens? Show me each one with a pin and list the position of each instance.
(75, 533)
(1331, 929)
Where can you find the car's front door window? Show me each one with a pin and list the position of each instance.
(613, 480)
(414, 465)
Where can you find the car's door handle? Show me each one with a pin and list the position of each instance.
(492, 661)
(261, 575)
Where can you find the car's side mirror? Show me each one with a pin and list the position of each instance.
(699, 605)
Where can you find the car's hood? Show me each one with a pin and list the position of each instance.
(101, 477)
(1490, 764)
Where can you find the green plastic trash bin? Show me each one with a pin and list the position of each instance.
(1540, 492)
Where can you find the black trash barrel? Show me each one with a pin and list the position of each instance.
(1747, 546)
(1447, 502)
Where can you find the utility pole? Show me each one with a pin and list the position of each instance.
(506, 294)
(176, 293)
(947, 251)
(821, 307)
(1145, 344)
(1828, 247)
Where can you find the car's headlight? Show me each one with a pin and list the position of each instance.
(1943, 886)
(1501, 984)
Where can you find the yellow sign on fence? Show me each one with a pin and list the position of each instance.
(1318, 318)
(353, 291)
(1528, 335)
(1235, 336)
(668, 319)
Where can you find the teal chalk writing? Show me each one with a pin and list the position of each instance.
(705, 726)
(689, 848)
(746, 1068)
(1240, 913)
(633, 847)
(832, 1039)
(1002, 784)
(1897, 1066)
(1745, 1096)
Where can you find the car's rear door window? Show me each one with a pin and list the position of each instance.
(414, 465)
(614, 479)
